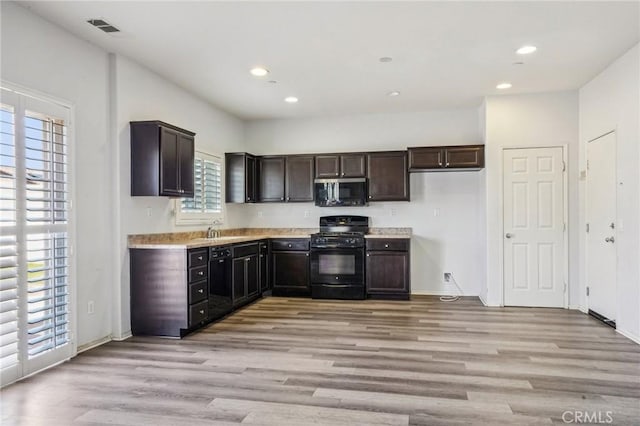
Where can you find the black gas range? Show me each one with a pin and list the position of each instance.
(337, 258)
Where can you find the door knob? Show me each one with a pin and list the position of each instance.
(609, 240)
(509, 235)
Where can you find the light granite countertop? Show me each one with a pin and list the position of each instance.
(190, 240)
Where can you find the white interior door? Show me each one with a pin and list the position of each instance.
(601, 217)
(534, 227)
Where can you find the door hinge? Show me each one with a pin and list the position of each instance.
(565, 287)
(587, 227)
(587, 290)
(587, 164)
(564, 227)
(564, 166)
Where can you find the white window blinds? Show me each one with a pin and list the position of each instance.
(8, 248)
(206, 204)
(35, 268)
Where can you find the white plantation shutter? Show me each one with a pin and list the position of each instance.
(35, 258)
(206, 204)
(8, 247)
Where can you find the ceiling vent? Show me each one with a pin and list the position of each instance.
(103, 25)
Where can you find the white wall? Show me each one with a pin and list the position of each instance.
(536, 120)
(143, 95)
(448, 242)
(611, 102)
(40, 56)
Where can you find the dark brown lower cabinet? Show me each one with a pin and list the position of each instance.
(244, 273)
(169, 294)
(290, 267)
(388, 271)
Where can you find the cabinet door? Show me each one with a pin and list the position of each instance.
(251, 277)
(327, 166)
(387, 272)
(169, 164)
(263, 267)
(353, 165)
(464, 157)
(271, 172)
(250, 179)
(239, 280)
(426, 158)
(388, 176)
(186, 164)
(299, 182)
(290, 270)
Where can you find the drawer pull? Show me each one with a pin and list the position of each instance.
(289, 245)
(201, 273)
(306, 254)
(199, 257)
(201, 291)
(202, 311)
(220, 261)
(368, 255)
(386, 246)
(247, 259)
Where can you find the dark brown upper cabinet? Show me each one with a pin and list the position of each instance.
(446, 158)
(241, 182)
(299, 178)
(388, 176)
(341, 165)
(162, 158)
(271, 174)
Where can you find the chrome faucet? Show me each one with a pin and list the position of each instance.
(212, 231)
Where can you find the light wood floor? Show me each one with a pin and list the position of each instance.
(304, 362)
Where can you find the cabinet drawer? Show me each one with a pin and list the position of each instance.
(197, 257)
(197, 292)
(290, 245)
(198, 313)
(198, 273)
(244, 250)
(391, 244)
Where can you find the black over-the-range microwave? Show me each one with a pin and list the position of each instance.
(341, 192)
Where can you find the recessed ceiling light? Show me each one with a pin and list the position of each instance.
(503, 86)
(273, 81)
(394, 93)
(259, 71)
(386, 59)
(525, 50)
(291, 99)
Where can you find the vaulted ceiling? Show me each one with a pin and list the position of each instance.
(444, 54)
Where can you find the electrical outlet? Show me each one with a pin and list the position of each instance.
(91, 307)
(307, 213)
(393, 212)
(447, 277)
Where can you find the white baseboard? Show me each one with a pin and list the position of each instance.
(124, 336)
(484, 302)
(630, 336)
(437, 293)
(577, 308)
(93, 344)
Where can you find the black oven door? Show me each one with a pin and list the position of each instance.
(337, 266)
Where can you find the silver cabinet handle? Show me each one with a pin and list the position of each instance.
(369, 196)
(289, 245)
(248, 198)
(368, 255)
(201, 273)
(288, 198)
(386, 246)
(247, 259)
(336, 173)
(306, 254)
(610, 240)
(220, 261)
(281, 198)
(199, 257)
(202, 312)
(508, 235)
(201, 291)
